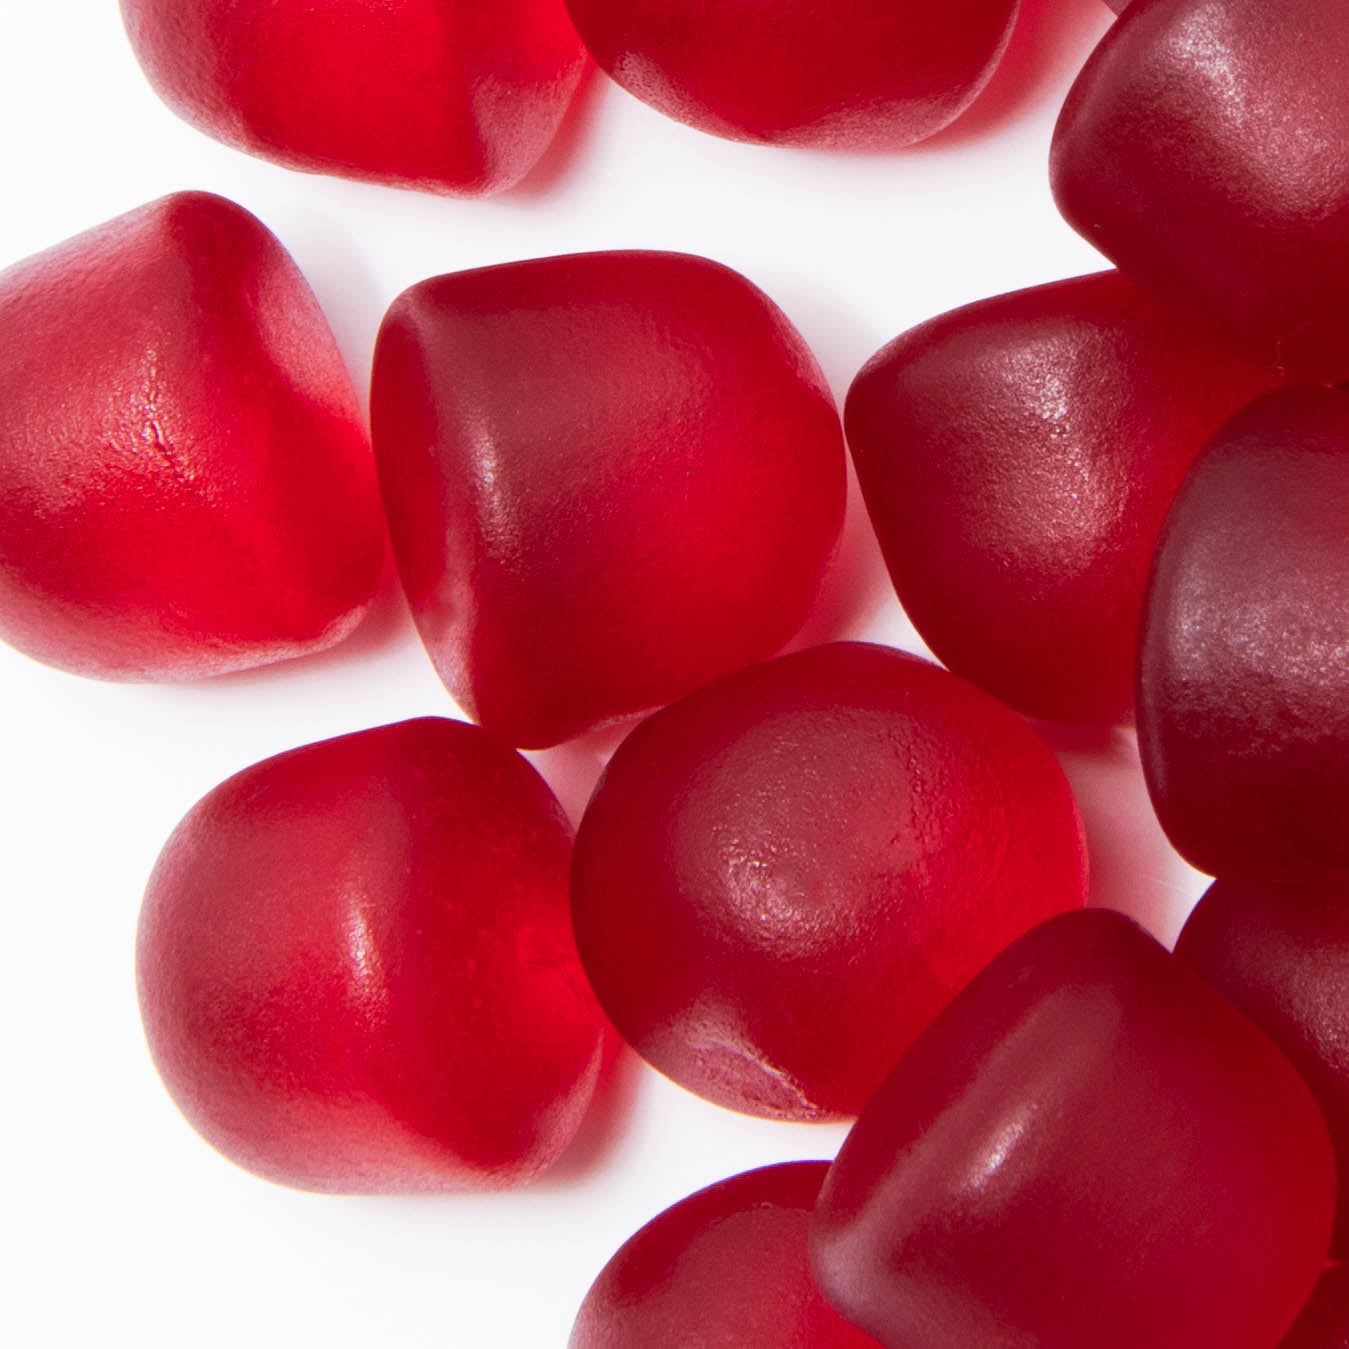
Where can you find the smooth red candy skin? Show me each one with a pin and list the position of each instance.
(1280, 953)
(186, 487)
(1325, 1322)
(871, 74)
(1204, 149)
(454, 96)
(356, 971)
(726, 1266)
(1088, 1150)
(780, 880)
(1018, 456)
(1243, 712)
(609, 479)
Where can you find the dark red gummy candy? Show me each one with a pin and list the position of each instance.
(1018, 457)
(781, 879)
(1280, 954)
(1088, 1150)
(1243, 710)
(871, 74)
(1204, 149)
(1325, 1322)
(609, 479)
(356, 970)
(454, 96)
(726, 1266)
(185, 483)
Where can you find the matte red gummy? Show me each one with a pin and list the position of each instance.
(185, 483)
(609, 479)
(356, 970)
(1088, 1150)
(1243, 712)
(1018, 456)
(1325, 1322)
(871, 74)
(726, 1266)
(1204, 149)
(445, 95)
(1280, 954)
(781, 879)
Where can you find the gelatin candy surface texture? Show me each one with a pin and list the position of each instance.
(452, 96)
(185, 483)
(1243, 710)
(1088, 1150)
(726, 1266)
(609, 479)
(1018, 456)
(1204, 149)
(781, 879)
(356, 971)
(1325, 1322)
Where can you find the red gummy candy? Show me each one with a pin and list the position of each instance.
(1088, 1150)
(726, 1266)
(780, 880)
(871, 74)
(1243, 712)
(1325, 1322)
(185, 483)
(1280, 953)
(1017, 457)
(453, 96)
(1205, 150)
(609, 479)
(356, 970)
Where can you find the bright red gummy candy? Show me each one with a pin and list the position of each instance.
(1279, 953)
(1243, 712)
(609, 479)
(1018, 456)
(1205, 150)
(726, 1266)
(185, 483)
(356, 969)
(871, 74)
(1088, 1150)
(1325, 1322)
(781, 879)
(454, 96)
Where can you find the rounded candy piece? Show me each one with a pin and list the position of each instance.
(609, 478)
(451, 96)
(726, 1266)
(1325, 1322)
(1279, 953)
(356, 971)
(871, 74)
(1243, 712)
(185, 483)
(1204, 149)
(1017, 457)
(1089, 1149)
(781, 879)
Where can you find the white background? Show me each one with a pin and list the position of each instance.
(128, 1227)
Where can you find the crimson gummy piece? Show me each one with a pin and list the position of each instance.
(726, 1266)
(1204, 149)
(1243, 711)
(356, 970)
(1088, 1150)
(1018, 456)
(872, 74)
(609, 479)
(450, 96)
(780, 880)
(1279, 953)
(186, 487)
(1325, 1322)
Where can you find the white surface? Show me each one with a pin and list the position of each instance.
(128, 1228)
